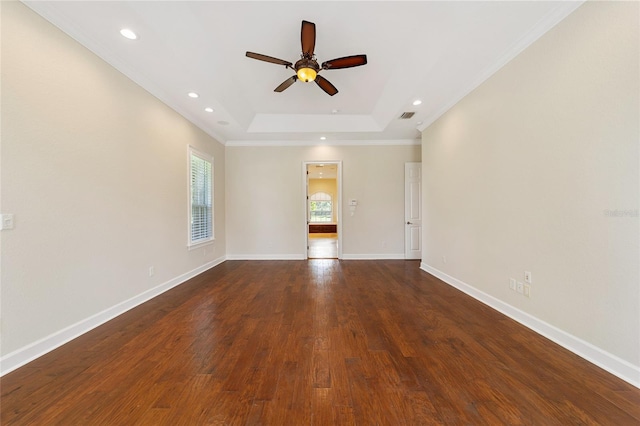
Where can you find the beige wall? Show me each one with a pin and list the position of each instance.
(94, 169)
(521, 174)
(374, 175)
(328, 186)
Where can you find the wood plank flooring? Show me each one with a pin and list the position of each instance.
(319, 342)
(323, 246)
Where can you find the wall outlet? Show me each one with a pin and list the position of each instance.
(520, 287)
(6, 221)
(151, 271)
(444, 259)
(512, 284)
(527, 277)
(527, 290)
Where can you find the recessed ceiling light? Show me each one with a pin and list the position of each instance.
(193, 95)
(322, 138)
(417, 102)
(208, 109)
(127, 33)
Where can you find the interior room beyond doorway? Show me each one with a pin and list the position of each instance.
(322, 211)
(323, 246)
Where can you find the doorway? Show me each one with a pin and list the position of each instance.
(323, 209)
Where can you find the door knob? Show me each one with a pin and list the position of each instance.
(408, 223)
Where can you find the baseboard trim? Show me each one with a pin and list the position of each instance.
(392, 256)
(265, 257)
(30, 352)
(618, 367)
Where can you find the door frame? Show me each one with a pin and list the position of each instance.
(305, 195)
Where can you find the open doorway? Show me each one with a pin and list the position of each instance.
(323, 209)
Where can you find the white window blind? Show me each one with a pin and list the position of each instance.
(201, 197)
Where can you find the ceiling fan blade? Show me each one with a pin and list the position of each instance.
(266, 58)
(346, 62)
(326, 86)
(308, 38)
(288, 82)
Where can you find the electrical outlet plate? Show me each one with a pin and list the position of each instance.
(527, 277)
(6, 221)
(527, 290)
(512, 284)
(520, 287)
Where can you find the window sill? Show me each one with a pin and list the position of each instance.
(193, 246)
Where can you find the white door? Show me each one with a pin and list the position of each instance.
(413, 210)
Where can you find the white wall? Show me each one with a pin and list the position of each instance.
(374, 175)
(94, 169)
(520, 176)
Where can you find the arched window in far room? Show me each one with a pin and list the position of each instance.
(320, 208)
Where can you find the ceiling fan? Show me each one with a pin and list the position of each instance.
(307, 67)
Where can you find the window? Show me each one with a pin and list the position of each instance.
(320, 208)
(200, 197)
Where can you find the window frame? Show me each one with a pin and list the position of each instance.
(192, 152)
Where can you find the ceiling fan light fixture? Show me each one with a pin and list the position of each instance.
(306, 74)
(307, 67)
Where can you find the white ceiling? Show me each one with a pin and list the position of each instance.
(433, 51)
(322, 171)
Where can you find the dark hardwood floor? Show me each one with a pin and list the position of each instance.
(321, 342)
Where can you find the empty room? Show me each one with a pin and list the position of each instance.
(319, 213)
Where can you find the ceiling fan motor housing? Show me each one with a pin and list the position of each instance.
(306, 63)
